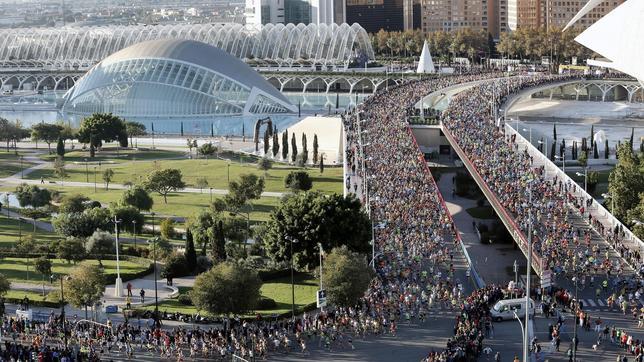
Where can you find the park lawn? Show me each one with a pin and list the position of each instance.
(16, 268)
(278, 289)
(483, 212)
(215, 171)
(183, 204)
(33, 295)
(110, 154)
(10, 164)
(10, 229)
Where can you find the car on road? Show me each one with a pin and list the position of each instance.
(506, 309)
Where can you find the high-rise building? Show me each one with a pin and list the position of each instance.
(448, 15)
(558, 13)
(390, 15)
(262, 12)
(524, 13)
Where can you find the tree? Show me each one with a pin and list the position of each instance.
(5, 285)
(167, 228)
(46, 132)
(264, 164)
(190, 253)
(85, 286)
(322, 164)
(626, 182)
(101, 243)
(298, 181)
(82, 224)
(305, 149)
(32, 195)
(226, 289)
(637, 213)
(129, 216)
(276, 145)
(59, 167)
(554, 131)
(315, 149)
(175, 266)
(138, 197)
(102, 127)
(43, 267)
(313, 218)
(346, 276)
(189, 144)
(592, 181)
(72, 203)
(71, 250)
(606, 149)
(583, 159)
(293, 148)
(207, 149)
(595, 151)
(134, 129)
(108, 175)
(285, 145)
(201, 183)
(248, 187)
(266, 141)
(60, 147)
(165, 181)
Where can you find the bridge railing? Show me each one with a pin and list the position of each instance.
(480, 283)
(597, 210)
(514, 229)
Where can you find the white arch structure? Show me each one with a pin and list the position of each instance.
(271, 44)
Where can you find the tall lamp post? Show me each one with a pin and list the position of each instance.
(134, 230)
(563, 160)
(62, 308)
(118, 285)
(94, 179)
(292, 241)
(612, 202)
(526, 351)
(545, 146)
(86, 171)
(154, 242)
(526, 130)
(585, 175)
(152, 213)
(21, 168)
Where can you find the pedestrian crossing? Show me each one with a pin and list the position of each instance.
(590, 304)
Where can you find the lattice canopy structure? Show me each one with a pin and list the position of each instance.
(172, 78)
(271, 44)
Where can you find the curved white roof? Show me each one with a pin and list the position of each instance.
(197, 53)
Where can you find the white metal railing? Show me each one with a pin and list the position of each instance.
(597, 210)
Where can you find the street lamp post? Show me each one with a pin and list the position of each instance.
(526, 352)
(94, 179)
(211, 195)
(134, 230)
(612, 202)
(118, 285)
(585, 175)
(545, 146)
(292, 241)
(228, 173)
(152, 213)
(21, 168)
(62, 309)
(86, 172)
(563, 159)
(525, 130)
(156, 295)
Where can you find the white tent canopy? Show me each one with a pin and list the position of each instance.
(425, 64)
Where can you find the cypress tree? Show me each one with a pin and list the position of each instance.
(60, 147)
(632, 136)
(606, 151)
(219, 242)
(293, 148)
(595, 151)
(554, 131)
(285, 145)
(305, 149)
(592, 134)
(266, 138)
(315, 149)
(181, 128)
(276, 145)
(322, 164)
(243, 133)
(190, 253)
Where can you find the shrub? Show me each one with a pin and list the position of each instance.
(203, 264)
(185, 299)
(167, 228)
(39, 213)
(480, 202)
(93, 204)
(265, 303)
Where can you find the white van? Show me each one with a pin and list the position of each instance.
(504, 309)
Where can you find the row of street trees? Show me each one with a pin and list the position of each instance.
(525, 43)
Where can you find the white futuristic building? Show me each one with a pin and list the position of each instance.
(617, 37)
(174, 78)
(271, 44)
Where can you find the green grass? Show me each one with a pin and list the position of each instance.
(10, 164)
(215, 171)
(16, 268)
(484, 212)
(179, 204)
(278, 290)
(112, 155)
(10, 230)
(33, 295)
